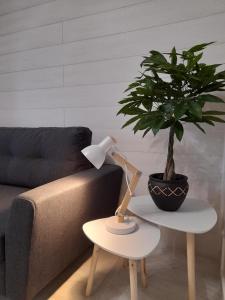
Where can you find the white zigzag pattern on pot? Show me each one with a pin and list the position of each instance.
(178, 191)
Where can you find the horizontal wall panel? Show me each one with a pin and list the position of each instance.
(155, 162)
(32, 59)
(9, 6)
(148, 163)
(56, 11)
(126, 139)
(193, 141)
(142, 188)
(89, 96)
(207, 146)
(152, 13)
(109, 71)
(44, 78)
(33, 38)
(215, 54)
(123, 45)
(122, 70)
(138, 43)
(94, 117)
(32, 118)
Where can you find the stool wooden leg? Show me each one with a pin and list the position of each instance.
(143, 273)
(133, 279)
(222, 266)
(191, 266)
(92, 270)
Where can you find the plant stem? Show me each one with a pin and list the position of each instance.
(170, 166)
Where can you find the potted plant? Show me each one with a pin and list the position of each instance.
(172, 90)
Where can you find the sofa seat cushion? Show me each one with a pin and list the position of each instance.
(31, 157)
(7, 195)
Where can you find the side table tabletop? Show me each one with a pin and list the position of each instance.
(134, 246)
(194, 217)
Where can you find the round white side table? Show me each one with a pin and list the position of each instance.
(134, 246)
(194, 217)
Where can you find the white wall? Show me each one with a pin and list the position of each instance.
(67, 62)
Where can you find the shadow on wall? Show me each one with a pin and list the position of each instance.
(201, 158)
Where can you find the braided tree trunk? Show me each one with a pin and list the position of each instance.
(169, 171)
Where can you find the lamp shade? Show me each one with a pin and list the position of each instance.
(96, 154)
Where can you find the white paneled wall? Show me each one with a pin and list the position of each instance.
(67, 62)
(10, 6)
(30, 39)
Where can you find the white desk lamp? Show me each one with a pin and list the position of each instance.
(96, 154)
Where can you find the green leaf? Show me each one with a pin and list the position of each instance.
(173, 56)
(216, 86)
(157, 57)
(140, 91)
(220, 75)
(209, 122)
(196, 109)
(180, 110)
(198, 57)
(179, 130)
(167, 124)
(199, 47)
(156, 125)
(192, 61)
(210, 98)
(166, 108)
(199, 127)
(149, 84)
(130, 109)
(214, 112)
(147, 103)
(130, 121)
(215, 119)
(132, 86)
(126, 100)
(142, 124)
(146, 131)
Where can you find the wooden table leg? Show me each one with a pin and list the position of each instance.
(92, 270)
(133, 279)
(143, 273)
(125, 263)
(191, 266)
(222, 262)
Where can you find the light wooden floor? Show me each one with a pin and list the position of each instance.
(166, 280)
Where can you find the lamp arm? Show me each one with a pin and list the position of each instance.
(136, 174)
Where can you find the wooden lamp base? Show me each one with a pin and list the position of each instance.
(115, 227)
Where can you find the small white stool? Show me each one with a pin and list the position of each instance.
(134, 246)
(195, 216)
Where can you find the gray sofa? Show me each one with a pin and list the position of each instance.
(48, 190)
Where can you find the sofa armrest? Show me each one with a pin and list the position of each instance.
(44, 233)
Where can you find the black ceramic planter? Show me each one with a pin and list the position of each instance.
(168, 195)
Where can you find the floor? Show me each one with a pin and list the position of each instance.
(166, 280)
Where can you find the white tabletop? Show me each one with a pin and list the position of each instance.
(136, 245)
(194, 216)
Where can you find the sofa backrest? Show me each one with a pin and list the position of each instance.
(30, 157)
